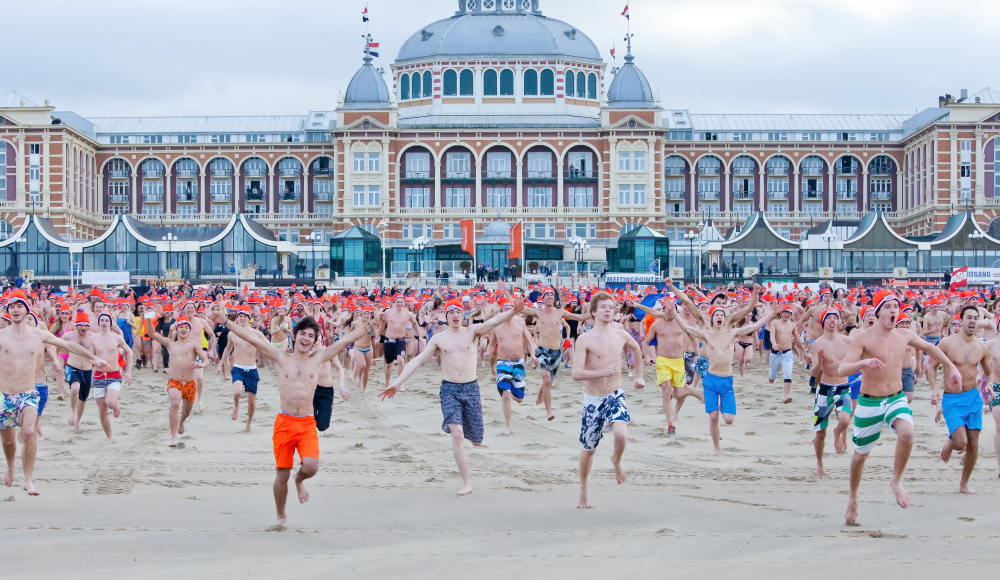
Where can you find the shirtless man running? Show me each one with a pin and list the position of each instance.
(107, 385)
(719, 348)
(994, 377)
(510, 338)
(244, 372)
(834, 392)
(79, 371)
(598, 355)
(962, 405)
(461, 404)
(878, 353)
(396, 319)
(20, 346)
(550, 341)
(784, 336)
(181, 387)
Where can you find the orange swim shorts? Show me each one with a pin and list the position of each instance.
(293, 434)
(188, 390)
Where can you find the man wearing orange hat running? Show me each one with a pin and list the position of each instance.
(107, 384)
(833, 394)
(461, 404)
(878, 353)
(20, 346)
(79, 371)
(182, 390)
(550, 341)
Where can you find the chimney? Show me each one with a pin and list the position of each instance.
(948, 98)
(941, 101)
(965, 95)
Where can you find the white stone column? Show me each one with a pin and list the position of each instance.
(477, 89)
(979, 191)
(348, 169)
(45, 168)
(725, 189)
(954, 184)
(613, 175)
(864, 190)
(651, 194)
(518, 84)
(22, 174)
(133, 191)
(385, 180)
(167, 189)
(794, 189)
(516, 159)
(559, 184)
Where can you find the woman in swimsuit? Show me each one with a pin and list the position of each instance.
(744, 350)
(58, 328)
(362, 351)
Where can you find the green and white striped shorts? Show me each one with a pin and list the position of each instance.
(871, 413)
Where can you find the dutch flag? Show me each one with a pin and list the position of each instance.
(624, 12)
(364, 15)
(369, 48)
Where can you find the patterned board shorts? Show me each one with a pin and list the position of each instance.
(461, 405)
(995, 401)
(689, 370)
(830, 398)
(14, 405)
(188, 389)
(701, 365)
(548, 358)
(872, 413)
(510, 377)
(598, 412)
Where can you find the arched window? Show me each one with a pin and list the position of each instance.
(428, 85)
(416, 85)
(592, 86)
(506, 83)
(548, 82)
(581, 85)
(465, 83)
(570, 83)
(404, 87)
(530, 82)
(490, 83)
(450, 83)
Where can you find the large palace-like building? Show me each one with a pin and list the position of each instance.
(500, 112)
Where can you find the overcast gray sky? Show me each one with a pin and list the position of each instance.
(258, 57)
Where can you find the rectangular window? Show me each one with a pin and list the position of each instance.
(187, 138)
(359, 195)
(221, 138)
(221, 187)
(221, 209)
(778, 209)
(188, 209)
(498, 196)
(881, 136)
(711, 136)
(498, 165)
(846, 208)
(156, 209)
(324, 186)
(777, 188)
(581, 164)
(847, 188)
(288, 209)
(742, 136)
(290, 138)
(708, 188)
(883, 207)
(459, 165)
(256, 139)
(678, 135)
(743, 209)
(457, 196)
(374, 162)
(777, 136)
(34, 148)
(539, 165)
(325, 209)
(119, 139)
(966, 169)
(639, 161)
(965, 145)
(374, 195)
(674, 188)
(812, 136)
(359, 162)
(624, 161)
(581, 197)
(152, 190)
(418, 165)
(539, 197)
(418, 196)
(152, 139)
(813, 209)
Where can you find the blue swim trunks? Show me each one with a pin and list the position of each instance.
(249, 377)
(855, 382)
(719, 394)
(43, 396)
(510, 377)
(963, 410)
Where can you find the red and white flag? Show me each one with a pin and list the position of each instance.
(958, 278)
(625, 12)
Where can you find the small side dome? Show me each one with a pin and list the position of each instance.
(630, 89)
(498, 229)
(367, 89)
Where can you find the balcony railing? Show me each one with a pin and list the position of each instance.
(498, 175)
(323, 196)
(777, 195)
(418, 175)
(847, 170)
(288, 196)
(675, 194)
(152, 173)
(847, 195)
(222, 173)
(881, 196)
(540, 175)
(458, 175)
(222, 197)
(255, 172)
(881, 171)
(187, 173)
(322, 171)
(744, 171)
(807, 170)
(118, 198)
(152, 197)
(708, 195)
(775, 171)
(812, 195)
(580, 174)
(708, 171)
(186, 197)
(289, 171)
(254, 195)
(673, 171)
(118, 174)
(743, 195)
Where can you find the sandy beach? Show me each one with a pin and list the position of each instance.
(383, 504)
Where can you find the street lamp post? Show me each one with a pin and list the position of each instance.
(581, 247)
(829, 238)
(691, 236)
(316, 238)
(170, 239)
(974, 236)
(418, 245)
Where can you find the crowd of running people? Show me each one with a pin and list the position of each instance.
(865, 352)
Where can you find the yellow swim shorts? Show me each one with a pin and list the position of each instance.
(670, 370)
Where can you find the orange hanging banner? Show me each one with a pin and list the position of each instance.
(516, 236)
(469, 237)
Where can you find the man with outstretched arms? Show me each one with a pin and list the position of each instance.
(244, 372)
(298, 374)
(20, 346)
(107, 385)
(598, 355)
(510, 338)
(833, 394)
(460, 400)
(395, 321)
(185, 357)
(962, 405)
(719, 348)
(878, 353)
(550, 341)
(204, 332)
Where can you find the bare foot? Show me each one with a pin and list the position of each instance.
(838, 445)
(619, 472)
(466, 489)
(60, 398)
(236, 413)
(173, 442)
(507, 432)
(118, 411)
(551, 417)
(30, 487)
(281, 523)
(180, 429)
(247, 430)
(41, 437)
(70, 421)
(111, 440)
(300, 487)
(964, 488)
(819, 471)
(902, 498)
(852, 511)
(539, 400)
(946, 451)
(201, 407)
(584, 504)
(788, 400)
(8, 480)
